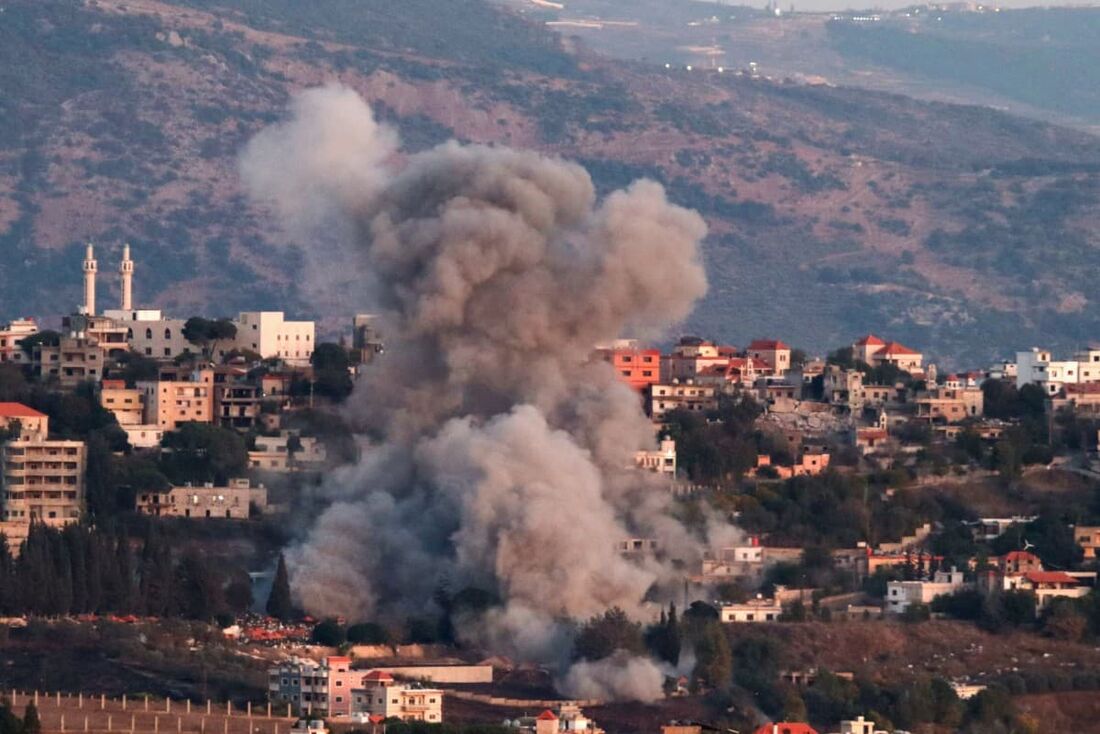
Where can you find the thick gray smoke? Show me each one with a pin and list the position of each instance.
(507, 456)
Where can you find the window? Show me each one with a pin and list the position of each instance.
(167, 333)
(148, 333)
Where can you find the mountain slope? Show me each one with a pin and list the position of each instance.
(832, 210)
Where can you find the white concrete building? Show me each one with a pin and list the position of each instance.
(269, 334)
(752, 611)
(1038, 366)
(10, 336)
(900, 595)
(661, 461)
(151, 334)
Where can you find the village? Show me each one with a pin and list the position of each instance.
(837, 468)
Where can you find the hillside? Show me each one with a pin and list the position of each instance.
(833, 210)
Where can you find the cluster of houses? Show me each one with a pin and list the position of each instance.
(214, 382)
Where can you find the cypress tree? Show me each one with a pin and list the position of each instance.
(279, 604)
(31, 722)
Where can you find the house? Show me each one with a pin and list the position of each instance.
(1088, 537)
(951, 402)
(859, 725)
(774, 352)
(637, 367)
(1047, 585)
(784, 727)
(569, 718)
(1018, 562)
(864, 348)
(900, 595)
(691, 356)
(808, 463)
(843, 388)
(232, 501)
(287, 452)
(31, 424)
(10, 335)
(378, 694)
(871, 440)
(752, 611)
(660, 461)
(126, 404)
(1081, 398)
(899, 355)
(665, 398)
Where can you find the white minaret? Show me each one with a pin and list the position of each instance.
(90, 269)
(126, 270)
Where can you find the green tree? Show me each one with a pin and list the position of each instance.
(368, 633)
(200, 452)
(605, 633)
(206, 333)
(279, 604)
(713, 659)
(31, 723)
(328, 633)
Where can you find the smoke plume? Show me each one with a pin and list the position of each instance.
(506, 462)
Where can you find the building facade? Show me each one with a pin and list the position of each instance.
(233, 501)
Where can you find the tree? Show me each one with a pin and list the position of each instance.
(1063, 621)
(605, 633)
(714, 662)
(201, 452)
(368, 633)
(31, 723)
(279, 604)
(328, 633)
(330, 371)
(46, 338)
(206, 333)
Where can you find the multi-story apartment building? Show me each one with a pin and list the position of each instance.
(43, 481)
(633, 365)
(170, 402)
(381, 695)
(321, 688)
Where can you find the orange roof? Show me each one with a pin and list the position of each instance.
(727, 351)
(378, 675)
(872, 433)
(547, 715)
(18, 410)
(870, 341)
(1021, 556)
(892, 348)
(114, 384)
(767, 344)
(1049, 577)
(784, 727)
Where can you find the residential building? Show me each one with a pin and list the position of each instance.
(43, 481)
(1083, 398)
(233, 501)
(32, 424)
(323, 688)
(661, 461)
(380, 695)
(143, 435)
(900, 595)
(990, 528)
(1037, 366)
(858, 725)
(865, 348)
(106, 333)
(637, 367)
(236, 405)
(1088, 537)
(289, 451)
(1018, 562)
(10, 336)
(808, 463)
(665, 398)
(269, 334)
(951, 402)
(774, 352)
(75, 359)
(150, 334)
(126, 403)
(752, 611)
(1047, 585)
(170, 402)
(785, 727)
(692, 355)
(569, 718)
(899, 355)
(843, 388)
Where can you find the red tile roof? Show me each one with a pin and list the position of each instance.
(378, 675)
(870, 341)
(894, 348)
(1020, 556)
(18, 410)
(1049, 577)
(547, 715)
(767, 344)
(785, 727)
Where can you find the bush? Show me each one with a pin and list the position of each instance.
(368, 633)
(328, 633)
